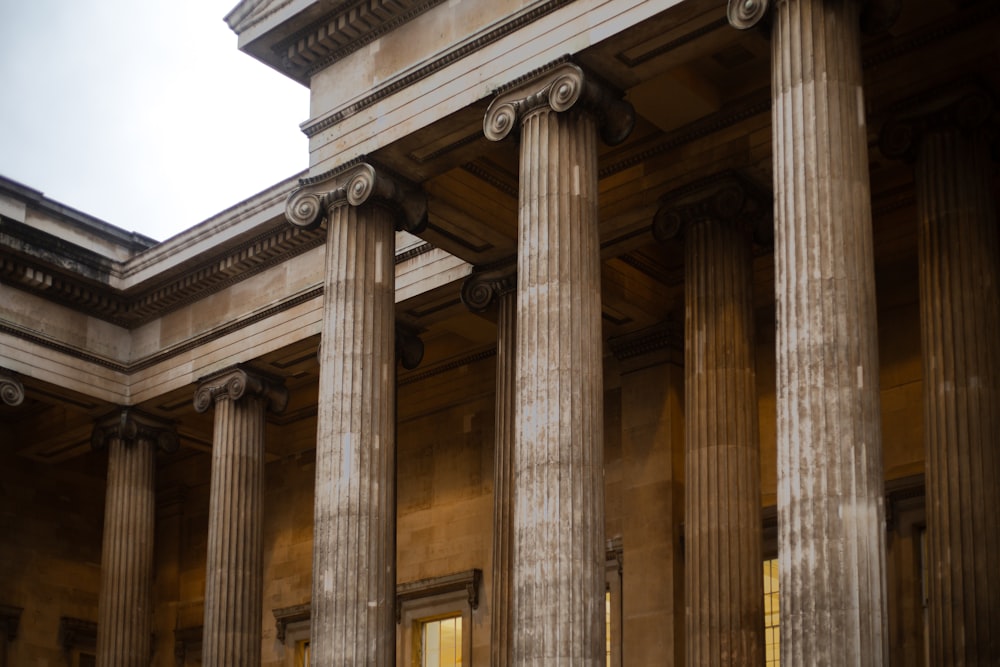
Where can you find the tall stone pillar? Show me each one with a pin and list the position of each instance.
(354, 543)
(558, 610)
(830, 508)
(722, 525)
(124, 614)
(946, 136)
(478, 292)
(234, 569)
(11, 389)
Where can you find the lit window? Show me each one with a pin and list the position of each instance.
(440, 642)
(772, 637)
(607, 626)
(302, 653)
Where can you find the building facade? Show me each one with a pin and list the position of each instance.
(596, 332)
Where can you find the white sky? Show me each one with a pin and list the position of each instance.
(142, 113)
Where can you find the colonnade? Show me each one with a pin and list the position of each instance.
(548, 583)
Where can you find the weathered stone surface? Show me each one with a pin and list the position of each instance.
(354, 576)
(722, 528)
(558, 610)
(11, 389)
(831, 514)
(959, 264)
(124, 612)
(234, 570)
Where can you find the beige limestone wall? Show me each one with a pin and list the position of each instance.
(50, 548)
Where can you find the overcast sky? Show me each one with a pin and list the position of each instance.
(142, 113)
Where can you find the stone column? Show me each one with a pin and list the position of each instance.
(354, 543)
(124, 613)
(11, 389)
(830, 508)
(234, 569)
(722, 525)
(959, 259)
(478, 292)
(558, 441)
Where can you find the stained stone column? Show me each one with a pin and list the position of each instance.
(124, 611)
(234, 570)
(478, 292)
(354, 578)
(830, 510)
(722, 526)
(558, 611)
(946, 136)
(11, 389)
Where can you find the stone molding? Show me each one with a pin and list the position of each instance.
(485, 286)
(285, 616)
(728, 197)
(355, 183)
(966, 106)
(667, 335)
(10, 618)
(446, 366)
(11, 389)
(559, 86)
(876, 15)
(76, 633)
(469, 581)
(131, 426)
(237, 381)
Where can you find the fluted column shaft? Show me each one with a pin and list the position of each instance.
(234, 570)
(354, 575)
(501, 631)
(722, 535)
(830, 509)
(960, 318)
(124, 615)
(559, 501)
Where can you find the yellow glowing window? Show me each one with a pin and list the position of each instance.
(772, 637)
(302, 653)
(440, 642)
(607, 626)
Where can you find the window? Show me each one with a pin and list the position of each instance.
(439, 642)
(772, 634)
(302, 653)
(435, 620)
(613, 603)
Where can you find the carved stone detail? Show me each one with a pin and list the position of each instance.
(727, 197)
(966, 107)
(409, 347)
(11, 389)
(285, 616)
(745, 14)
(354, 184)
(130, 426)
(482, 288)
(237, 381)
(559, 87)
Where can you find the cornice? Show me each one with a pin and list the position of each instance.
(453, 55)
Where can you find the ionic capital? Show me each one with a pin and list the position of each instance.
(131, 426)
(876, 15)
(235, 382)
(961, 108)
(727, 197)
(354, 184)
(559, 87)
(484, 287)
(11, 389)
